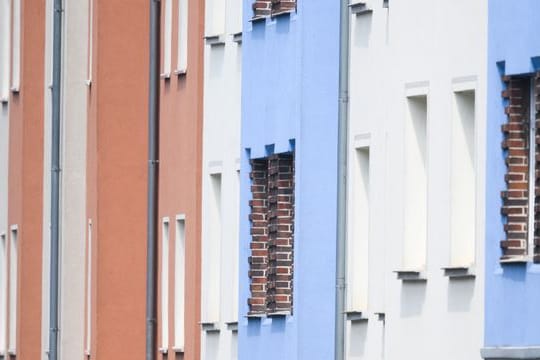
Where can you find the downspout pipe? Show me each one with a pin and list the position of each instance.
(55, 179)
(343, 123)
(153, 181)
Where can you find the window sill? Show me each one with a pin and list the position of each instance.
(233, 326)
(4, 100)
(163, 350)
(178, 350)
(278, 314)
(210, 326)
(215, 40)
(15, 90)
(283, 12)
(518, 260)
(255, 317)
(360, 8)
(180, 72)
(459, 272)
(88, 82)
(259, 18)
(165, 75)
(355, 316)
(237, 37)
(497, 353)
(410, 275)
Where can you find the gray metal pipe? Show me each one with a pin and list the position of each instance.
(343, 124)
(153, 181)
(55, 179)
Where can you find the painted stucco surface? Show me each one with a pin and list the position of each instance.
(290, 100)
(221, 154)
(512, 291)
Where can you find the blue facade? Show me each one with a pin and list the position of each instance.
(512, 296)
(290, 101)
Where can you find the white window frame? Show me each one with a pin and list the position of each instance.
(414, 243)
(5, 49)
(360, 227)
(179, 282)
(183, 32)
(3, 292)
(16, 45)
(90, 37)
(88, 340)
(165, 246)
(13, 287)
(463, 246)
(167, 39)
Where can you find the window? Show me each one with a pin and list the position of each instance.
(167, 39)
(518, 206)
(5, 45)
(16, 45)
(215, 18)
(414, 247)
(463, 181)
(13, 272)
(262, 8)
(165, 285)
(179, 278)
(358, 241)
(88, 340)
(183, 16)
(272, 235)
(90, 38)
(3, 293)
(212, 252)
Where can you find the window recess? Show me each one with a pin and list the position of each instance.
(415, 224)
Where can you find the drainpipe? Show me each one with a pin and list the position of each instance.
(153, 176)
(55, 179)
(343, 121)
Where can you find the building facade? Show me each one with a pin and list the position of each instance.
(415, 270)
(288, 185)
(512, 280)
(116, 178)
(220, 179)
(180, 153)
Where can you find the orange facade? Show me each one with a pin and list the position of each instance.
(181, 107)
(25, 186)
(116, 177)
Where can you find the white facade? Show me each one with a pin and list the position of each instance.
(221, 153)
(4, 151)
(73, 179)
(417, 125)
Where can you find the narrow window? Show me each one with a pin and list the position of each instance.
(414, 247)
(179, 278)
(90, 38)
(215, 18)
(358, 245)
(272, 235)
(463, 181)
(5, 41)
(212, 258)
(516, 202)
(13, 273)
(167, 39)
(16, 46)
(235, 250)
(183, 16)
(3, 293)
(165, 285)
(88, 290)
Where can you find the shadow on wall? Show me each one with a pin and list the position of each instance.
(362, 30)
(357, 339)
(212, 345)
(216, 59)
(254, 327)
(283, 24)
(413, 296)
(460, 294)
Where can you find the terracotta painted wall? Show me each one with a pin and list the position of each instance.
(117, 177)
(180, 172)
(25, 177)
